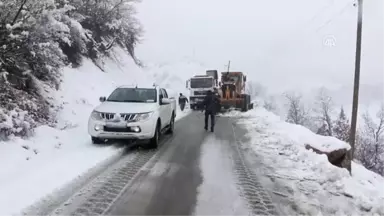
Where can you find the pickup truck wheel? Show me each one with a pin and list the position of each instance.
(96, 140)
(154, 142)
(171, 125)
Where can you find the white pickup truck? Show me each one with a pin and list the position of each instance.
(133, 113)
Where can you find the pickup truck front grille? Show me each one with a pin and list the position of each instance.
(125, 116)
(107, 116)
(128, 116)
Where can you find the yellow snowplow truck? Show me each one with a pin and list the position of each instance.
(232, 92)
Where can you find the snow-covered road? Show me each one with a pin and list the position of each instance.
(253, 164)
(194, 172)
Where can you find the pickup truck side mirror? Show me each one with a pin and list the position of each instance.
(165, 101)
(102, 99)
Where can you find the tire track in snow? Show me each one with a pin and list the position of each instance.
(102, 198)
(96, 197)
(259, 201)
(51, 201)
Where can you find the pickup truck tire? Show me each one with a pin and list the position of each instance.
(96, 140)
(154, 141)
(171, 125)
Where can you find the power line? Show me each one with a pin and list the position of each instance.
(342, 11)
(318, 14)
(307, 26)
(310, 22)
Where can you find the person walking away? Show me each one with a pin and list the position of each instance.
(182, 101)
(210, 106)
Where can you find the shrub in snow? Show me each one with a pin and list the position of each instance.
(21, 112)
(39, 37)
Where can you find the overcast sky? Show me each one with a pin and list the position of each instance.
(279, 43)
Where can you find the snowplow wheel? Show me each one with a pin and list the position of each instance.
(245, 103)
(249, 104)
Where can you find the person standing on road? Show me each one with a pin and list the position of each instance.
(210, 103)
(182, 101)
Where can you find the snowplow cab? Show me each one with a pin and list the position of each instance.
(233, 91)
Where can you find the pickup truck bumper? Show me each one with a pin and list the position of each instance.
(135, 130)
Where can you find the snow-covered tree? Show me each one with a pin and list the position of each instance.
(30, 56)
(39, 37)
(370, 142)
(110, 22)
(341, 129)
(296, 111)
(324, 109)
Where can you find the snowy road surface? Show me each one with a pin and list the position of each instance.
(193, 172)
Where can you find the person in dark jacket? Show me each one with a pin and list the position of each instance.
(210, 105)
(182, 101)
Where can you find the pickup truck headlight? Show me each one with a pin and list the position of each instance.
(143, 116)
(96, 115)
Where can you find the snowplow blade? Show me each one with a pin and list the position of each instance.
(242, 103)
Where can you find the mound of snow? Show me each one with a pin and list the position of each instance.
(29, 169)
(315, 186)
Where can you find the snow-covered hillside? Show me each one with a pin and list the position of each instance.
(56, 155)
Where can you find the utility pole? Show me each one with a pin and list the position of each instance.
(356, 84)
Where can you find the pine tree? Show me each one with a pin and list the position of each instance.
(342, 127)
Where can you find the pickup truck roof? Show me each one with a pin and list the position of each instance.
(140, 86)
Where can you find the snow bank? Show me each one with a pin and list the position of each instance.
(315, 186)
(295, 133)
(29, 169)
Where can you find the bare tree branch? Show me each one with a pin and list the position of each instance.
(296, 112)
(325, 108)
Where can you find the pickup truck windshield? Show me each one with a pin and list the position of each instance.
(138, 95)
(201, 83)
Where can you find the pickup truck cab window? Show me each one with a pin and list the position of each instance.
(164, 92)
(160, 95)
(137, 95)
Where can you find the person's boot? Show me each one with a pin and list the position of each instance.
(205, 128)
(212, 129)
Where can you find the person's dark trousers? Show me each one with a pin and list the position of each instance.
(182, 106)
(207, 114)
